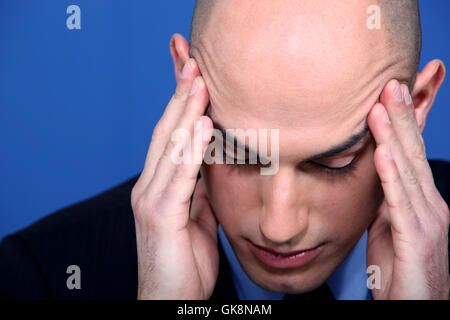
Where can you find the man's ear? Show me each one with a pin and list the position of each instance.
(425, 89)
(179, 49)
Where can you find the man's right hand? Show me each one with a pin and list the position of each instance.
(177, 249)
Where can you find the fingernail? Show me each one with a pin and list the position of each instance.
(198, 124)
(186, 70)
(408, 99)
(194, 87)
(386, 117)
(406, 95)
(398, 94)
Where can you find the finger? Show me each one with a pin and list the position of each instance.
(417, 143)
(181, 178)
(201, 210)
(178, 101)
(383, 133)
(168, 122)
(170, 173)
(401, 211)
(399, 106)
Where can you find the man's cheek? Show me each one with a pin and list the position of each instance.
(225, 192)
(371, 191)
(351, 207)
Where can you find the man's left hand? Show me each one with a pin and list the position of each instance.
(408, 240)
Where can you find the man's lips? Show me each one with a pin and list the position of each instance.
(292, 259)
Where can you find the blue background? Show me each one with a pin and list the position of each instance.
(77, 107)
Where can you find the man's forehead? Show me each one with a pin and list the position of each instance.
(297, 114)
(267, 39)
(288, 84)
(307, 143)
(312, 80)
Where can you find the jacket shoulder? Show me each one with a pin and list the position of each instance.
(441, 176)
(106, 204)
(97, 234)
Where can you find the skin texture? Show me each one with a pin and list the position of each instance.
(319, 78)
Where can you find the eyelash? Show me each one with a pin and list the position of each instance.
(234, 163)
(337, 171)
(239, 165)
(342, 171)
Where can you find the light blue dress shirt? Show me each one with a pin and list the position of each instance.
(348, 282)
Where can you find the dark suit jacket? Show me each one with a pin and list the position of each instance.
(98, 235)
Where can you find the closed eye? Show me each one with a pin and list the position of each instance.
(237, 157)
(343, 169)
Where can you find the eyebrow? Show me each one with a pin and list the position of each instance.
(341, 147)
(223, 131)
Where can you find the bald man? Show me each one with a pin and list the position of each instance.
(351, 211)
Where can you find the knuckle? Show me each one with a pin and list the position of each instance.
(406, 204)
(183, 175)
(405, 116)
(419, 151)
(444, 206)
(134, 196)
(445, 210)
(180, 93)
(169, 149)
(158, 131)
(139, 206)
(410, 176)
(409, 206)
(146, 208)
(180, 175)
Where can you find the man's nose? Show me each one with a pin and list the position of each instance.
(284, 218)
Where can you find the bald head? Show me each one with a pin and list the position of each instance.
(400, 22)
(302, 63)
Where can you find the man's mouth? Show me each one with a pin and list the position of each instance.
(284, 260)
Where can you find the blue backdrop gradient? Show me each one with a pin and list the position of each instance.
(77, 107)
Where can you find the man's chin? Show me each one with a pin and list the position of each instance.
(293, 285)
(292, 281)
